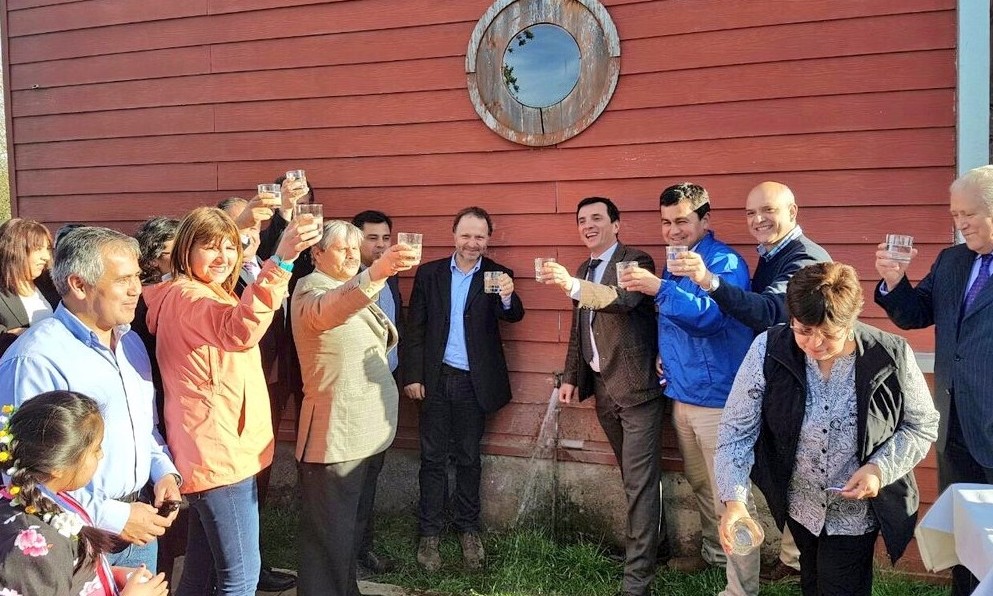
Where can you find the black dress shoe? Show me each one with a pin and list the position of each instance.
(376, 563)
(275, 581)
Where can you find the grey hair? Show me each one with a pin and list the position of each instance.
(337, 229)
(80, 252)
(978, 180)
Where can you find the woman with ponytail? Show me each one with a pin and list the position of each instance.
(48, 447)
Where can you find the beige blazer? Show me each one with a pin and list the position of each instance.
(350, 398)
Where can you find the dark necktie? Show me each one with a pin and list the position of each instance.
(981, 279)
(586, 316)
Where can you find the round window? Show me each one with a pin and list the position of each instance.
(541, 71)
(541, 65)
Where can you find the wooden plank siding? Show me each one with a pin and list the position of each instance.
(121, 110)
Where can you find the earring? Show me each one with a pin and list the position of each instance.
(851, 335)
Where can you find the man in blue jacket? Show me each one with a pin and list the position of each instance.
(700, 348)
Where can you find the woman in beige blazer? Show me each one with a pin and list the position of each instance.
(349, 411)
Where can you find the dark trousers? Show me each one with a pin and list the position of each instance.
(367, 500)
(450, 419)
(956, 464)
(634, 434)
(834, 565)
(329, 525)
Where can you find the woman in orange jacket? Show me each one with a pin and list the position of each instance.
(216, 400)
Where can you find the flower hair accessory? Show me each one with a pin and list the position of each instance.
(7, 444)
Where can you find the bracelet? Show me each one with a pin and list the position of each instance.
(284, 265)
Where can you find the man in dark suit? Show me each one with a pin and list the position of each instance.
(612, 352)
(377, 236)
(957, 298)
(273, 361)
(453, 363)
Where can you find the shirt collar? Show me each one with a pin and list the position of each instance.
(475, 268)
(608, 254)
(81, 331)
(768, 253)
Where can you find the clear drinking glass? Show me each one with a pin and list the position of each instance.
(412, 240)
(315, 209)
(491, 282)
(746, 536)
(623, 266)
(673, 251)
(899, 247)
(539, 264)
(271, 194)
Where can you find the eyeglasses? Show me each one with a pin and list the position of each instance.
(814, 331)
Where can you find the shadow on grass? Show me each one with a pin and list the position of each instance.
(525, 561)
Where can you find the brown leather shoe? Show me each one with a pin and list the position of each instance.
(428, 556)
(473, 554)
(687, 565)
(779, 572)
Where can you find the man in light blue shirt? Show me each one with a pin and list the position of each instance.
(453, 361)
(87, 347)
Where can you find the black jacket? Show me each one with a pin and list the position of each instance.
(428, 322)
(878, 382)
(13, 315)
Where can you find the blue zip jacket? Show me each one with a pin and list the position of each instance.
(701, 347)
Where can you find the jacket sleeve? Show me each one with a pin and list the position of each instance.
(693, 310)
(761, 310)
(412, 357)
(909, 307)
(613, 298)
(30, 572)
(240, 327)
(269, 237)
(320, 308)
(516, 311)
(570, 374)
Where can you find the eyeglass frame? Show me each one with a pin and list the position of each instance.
(811, 332)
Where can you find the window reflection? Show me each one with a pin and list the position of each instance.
(541, 65)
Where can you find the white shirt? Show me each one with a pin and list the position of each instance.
(36, 306)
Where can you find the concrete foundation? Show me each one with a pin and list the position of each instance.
(590, 497)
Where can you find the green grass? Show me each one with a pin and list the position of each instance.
(525, 562)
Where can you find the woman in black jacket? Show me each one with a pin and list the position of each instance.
(829, 416)
(27, 295)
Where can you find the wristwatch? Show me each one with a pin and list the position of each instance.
(284, 265)
(715, 282)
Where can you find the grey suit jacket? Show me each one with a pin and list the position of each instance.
(350, 398)
(963, 344)
(625, 330)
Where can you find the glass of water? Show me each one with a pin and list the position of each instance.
(314, 209)
(539, 265)
(413, 241)
(491, 282)
(623, 266)
(271, 195)
(746, 536)
(899, 247)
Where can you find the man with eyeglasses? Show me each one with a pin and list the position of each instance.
(771, 215)
(700, 348)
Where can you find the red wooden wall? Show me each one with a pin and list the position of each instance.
(123, 109)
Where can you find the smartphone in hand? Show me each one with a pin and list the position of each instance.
(167, 507)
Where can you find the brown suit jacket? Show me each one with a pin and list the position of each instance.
(625, 331)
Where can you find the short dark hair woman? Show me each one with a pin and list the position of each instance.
(829, 416)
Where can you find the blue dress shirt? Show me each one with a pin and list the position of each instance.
(61, 353)
(456, 354)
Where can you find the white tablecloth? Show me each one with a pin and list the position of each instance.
(958, 529)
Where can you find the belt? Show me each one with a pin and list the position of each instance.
(132, 498)
(452, 371)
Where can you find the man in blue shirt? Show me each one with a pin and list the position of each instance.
(88, 347)
(701, 348)
(453, 363)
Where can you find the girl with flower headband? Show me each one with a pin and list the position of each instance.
(49, 446)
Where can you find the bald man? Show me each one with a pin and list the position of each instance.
(770, 211)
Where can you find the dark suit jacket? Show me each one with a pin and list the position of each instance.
(625, 330)
(963, 344)
(428, 322)
(393, 283)
(13, 315)
(274, 342)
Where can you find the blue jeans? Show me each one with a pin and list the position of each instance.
(135, 555)
(222, 550)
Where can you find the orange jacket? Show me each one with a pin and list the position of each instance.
(216, 399)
